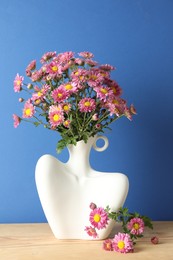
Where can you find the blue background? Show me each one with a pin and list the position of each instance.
(135, 36)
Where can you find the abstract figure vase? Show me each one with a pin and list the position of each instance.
(67, 189)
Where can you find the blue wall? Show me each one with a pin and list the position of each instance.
(135, 36)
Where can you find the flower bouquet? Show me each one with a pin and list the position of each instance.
(74, 96)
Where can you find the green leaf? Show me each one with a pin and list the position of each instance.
(147, 222)
(37, 123)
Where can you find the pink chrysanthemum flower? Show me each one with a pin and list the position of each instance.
(107, 245)
(67, 123)
(94, 78)
(91, 62)
(98, 218)
(79, 61)
(117, 91)
(136, 226)
(104, 93)
(67, 65)
(65, 57)
(45, 89)
(87, 105)
(28, 110)
(18, 82)
(31, 65)
(66, 107)
(37, 75)
(40, 93)
(122, 243)
(55, 108)
(70, 87)
(112, 108)
(79, 77)
(54, 69)
(107, 67)
(16, 120)
(91, 232)
(116, 106)
(86, 54)
(47, 56)
(56, 118)
(59, 94)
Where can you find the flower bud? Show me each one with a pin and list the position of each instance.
(154, 240)
(48, 78)
(31, 66)
(29, 86)
(45, 107)
(93, 206)
(28, 73)
(21, 99)
(37, 102)
(95, 117)
(43, 68)
(98, 126)
(133, 109)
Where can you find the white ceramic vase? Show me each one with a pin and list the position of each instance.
(67, 189)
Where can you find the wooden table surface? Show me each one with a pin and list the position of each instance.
(36, 241)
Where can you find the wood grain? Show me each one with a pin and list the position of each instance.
(36, 241)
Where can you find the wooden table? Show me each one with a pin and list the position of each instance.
(36, 241)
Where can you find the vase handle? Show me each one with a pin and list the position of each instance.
(104, 147)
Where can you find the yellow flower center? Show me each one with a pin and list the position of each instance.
(97, 218)
(66, 107)
(18, 82)
(87, 103)
(81, 77)
(54, 68)
(28, 111)
(66, 123)
(103, 74)
(93, 77)
(136, 226)
(115, 102)
(68, 87)
(59, 95)
(56, 117)
(114, 90)
(104, 91)
(121, 244)
(76, 73)
(39, 94)
(37, 101)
